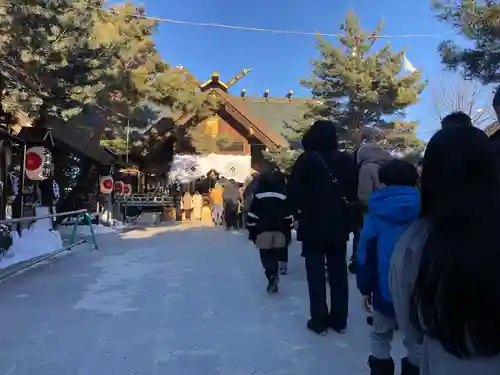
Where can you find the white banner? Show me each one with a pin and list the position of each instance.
(187, 168)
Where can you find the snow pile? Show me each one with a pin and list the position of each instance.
(32, 243)
(117, 224)
(98, 229)
(107, 218)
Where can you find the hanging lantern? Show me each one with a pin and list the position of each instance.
(38, 162)
(118, 188)
(127, 190)
(106, 184)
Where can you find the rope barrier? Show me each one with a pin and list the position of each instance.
(244, 28)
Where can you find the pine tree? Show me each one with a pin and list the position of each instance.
(357, 87)
(478, 22)
(49, 67)
(139, 76)
(76, 62)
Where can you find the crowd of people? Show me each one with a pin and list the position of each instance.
(425, 249)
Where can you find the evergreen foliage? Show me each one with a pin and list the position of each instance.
(358, 87)
(478, 22)
(98, 69)
(49, 65)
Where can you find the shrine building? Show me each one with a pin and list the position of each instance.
(253, 124)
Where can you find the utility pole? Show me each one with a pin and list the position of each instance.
(128, 132)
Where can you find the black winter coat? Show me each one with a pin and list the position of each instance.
(270, 211)
(316, 200)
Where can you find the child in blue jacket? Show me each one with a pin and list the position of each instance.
(391, 210)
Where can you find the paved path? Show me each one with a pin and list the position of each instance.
(178, 300)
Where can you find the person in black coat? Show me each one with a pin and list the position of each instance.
(269, 223)
(495, 137)
(322, 188)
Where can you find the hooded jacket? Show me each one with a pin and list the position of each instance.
(391, 211)
(270, 210)
(370, 158)
(315, 199)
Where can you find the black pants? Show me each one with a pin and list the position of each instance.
(230, 215)
(335, 254)
(270, 259)
(355, 241)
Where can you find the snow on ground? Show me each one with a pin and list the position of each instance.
(32, 243)
(36, 241)
(182, 299)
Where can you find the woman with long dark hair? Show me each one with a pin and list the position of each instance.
(445, 276)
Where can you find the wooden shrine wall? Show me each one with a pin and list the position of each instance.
(218, 125)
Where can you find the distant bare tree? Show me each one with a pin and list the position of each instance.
(451, 93)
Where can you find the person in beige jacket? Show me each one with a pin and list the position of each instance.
(370, 158)
(197, 205)
(187, 205)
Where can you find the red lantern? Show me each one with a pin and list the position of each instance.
(127, 190)
(119, 187)
(38, 162)
(106, 184)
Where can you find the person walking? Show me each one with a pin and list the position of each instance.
(230, 197)
(370, 158)
(444, 277)
(269, 223)
(321, 187)
(248, 194)
(391, 210)
(197, 205)
(187, 205)
(217, 203)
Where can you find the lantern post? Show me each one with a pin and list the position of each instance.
(23, 178)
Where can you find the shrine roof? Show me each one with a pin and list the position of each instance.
(492, 129)
(79, 139)
(276, 112)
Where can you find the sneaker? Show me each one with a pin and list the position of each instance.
(381, 366)
(408, 368)
(320, 329)
(272, 286)
(283, 268)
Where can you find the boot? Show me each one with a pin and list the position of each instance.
(352, 267)
(408, 368)
(272, 286)
(283, 268)
(318, 327)
(381, 366)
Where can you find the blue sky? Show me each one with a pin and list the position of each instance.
(278, 61)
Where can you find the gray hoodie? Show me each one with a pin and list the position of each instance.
(370, 158)
(423, 351)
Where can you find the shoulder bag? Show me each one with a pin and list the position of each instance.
(351, 207)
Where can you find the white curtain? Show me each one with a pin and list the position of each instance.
(187, 168)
